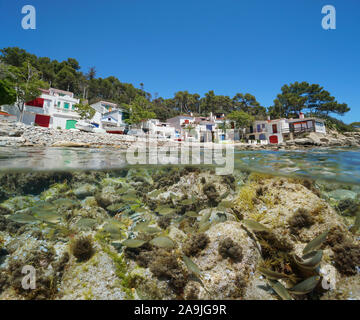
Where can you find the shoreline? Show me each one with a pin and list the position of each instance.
(20, 135)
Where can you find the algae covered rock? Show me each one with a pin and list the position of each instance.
(341, 194)
(221, 276)
(84, 191)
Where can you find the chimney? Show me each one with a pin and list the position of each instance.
(301, 115)
(268, 118)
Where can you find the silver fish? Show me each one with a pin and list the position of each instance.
(205, 218)
(133, 243)
(272, 275)
(316, 243)
(254, 225)
(305, 286)
(192, 266)
(191, 214)
(23, 218)
(165, 210)
(163, 242)
(310, 261)
(280, 290)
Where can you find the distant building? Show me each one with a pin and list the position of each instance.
(54, 108)
(180, 122)
(279, 130)
(159, 129)
(109, 116)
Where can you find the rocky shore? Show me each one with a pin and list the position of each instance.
(20, 135)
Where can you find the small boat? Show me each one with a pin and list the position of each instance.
(115, 129)
(84, 125)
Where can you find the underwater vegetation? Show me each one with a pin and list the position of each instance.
(166, 266)
(229, 249)
(82, 248)
(301, 219)
(195, 244)
(172, 233)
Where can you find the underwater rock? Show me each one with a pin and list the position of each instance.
(32, 182)
(18, 203)
(347, 258)
(54, 192)
(107, 196)
(220, 276)
(348, 207)
(84, 191)
(341, 194)
(95, 279)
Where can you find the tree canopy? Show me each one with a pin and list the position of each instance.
(304, 97)
(140, 110)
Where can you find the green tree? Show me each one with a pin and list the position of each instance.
(242, 119)
(140, 110)
(26, 82)
(7, 92)
(303, 97)
(249, 104)
(84, 110)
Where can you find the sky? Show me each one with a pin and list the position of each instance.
(228, 46)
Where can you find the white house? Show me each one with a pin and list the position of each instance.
(181, 121)
(278, 130)
(109, 116)
(159, 129)
(54, 109)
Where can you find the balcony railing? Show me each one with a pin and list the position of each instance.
(297, 130)
(282, 130)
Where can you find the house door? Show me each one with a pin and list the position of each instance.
(70, 124)
(273, 139)
(42, 120)
(262, 137)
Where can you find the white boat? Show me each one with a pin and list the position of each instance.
(84, 125)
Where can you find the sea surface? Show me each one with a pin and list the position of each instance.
(342, 165)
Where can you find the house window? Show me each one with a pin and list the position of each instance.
(274, 127)
(73, 107)
(66, 106)
(59, 104)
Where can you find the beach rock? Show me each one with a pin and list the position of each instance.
(70, 144)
